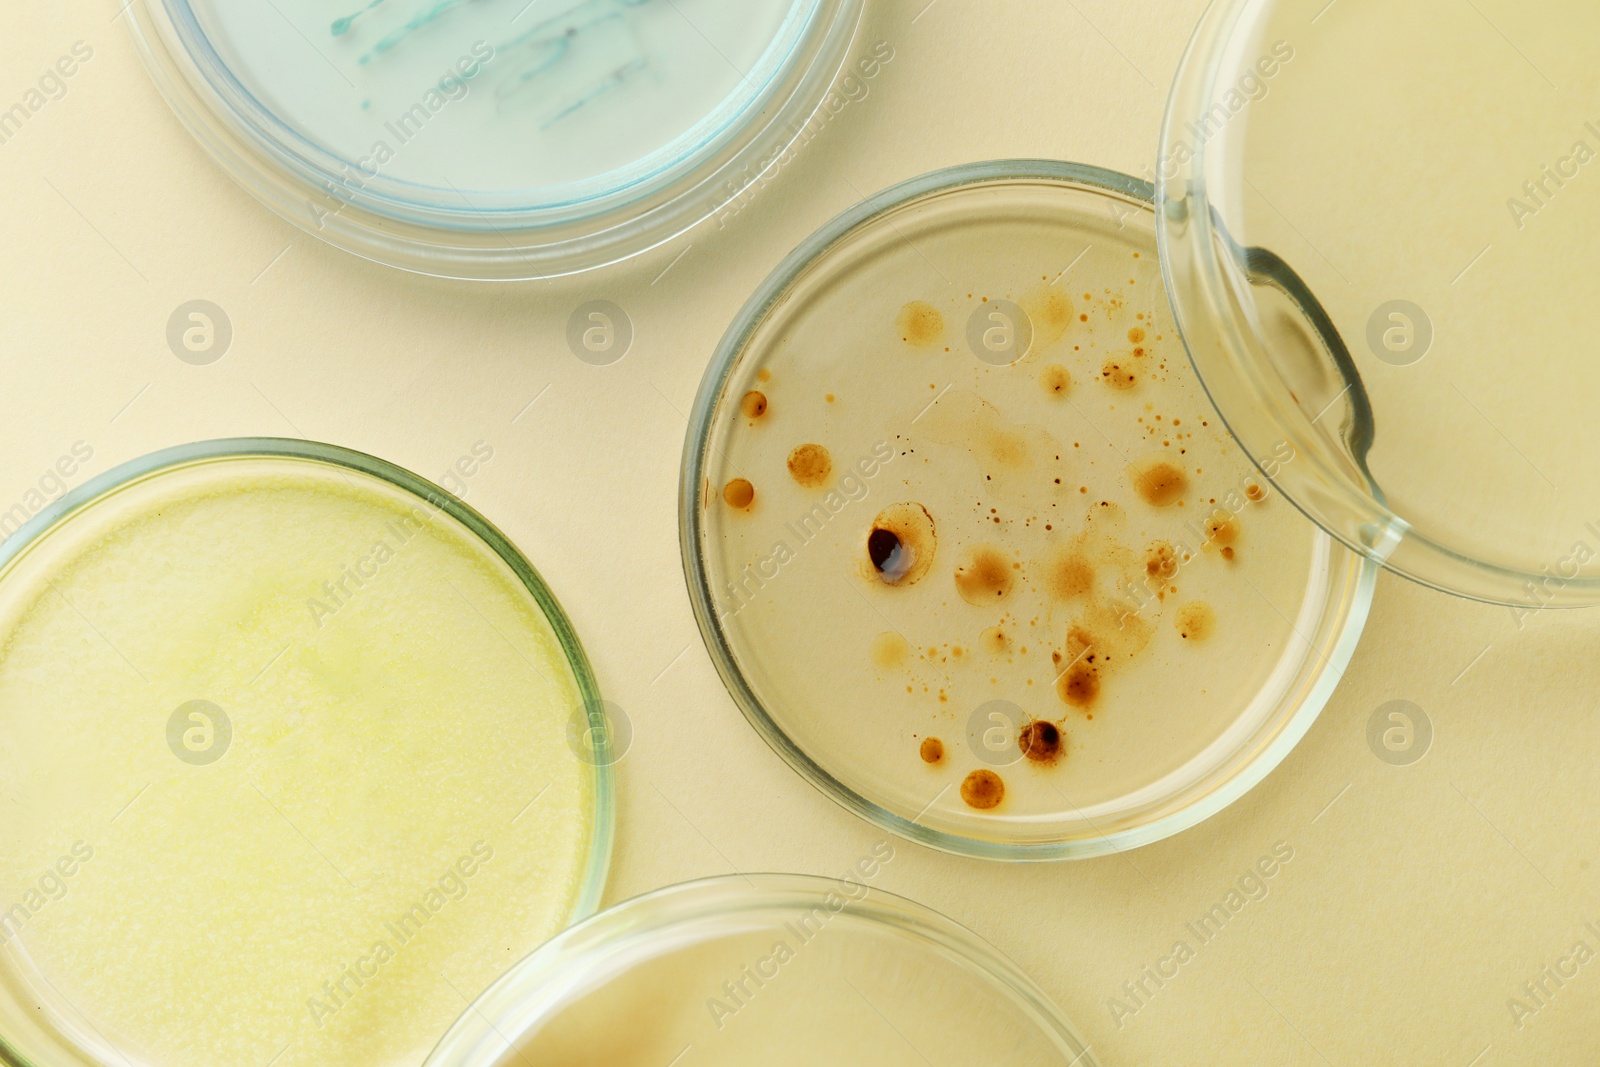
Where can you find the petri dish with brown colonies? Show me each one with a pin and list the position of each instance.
(1033, 543)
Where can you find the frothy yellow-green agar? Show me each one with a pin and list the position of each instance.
(363, 857)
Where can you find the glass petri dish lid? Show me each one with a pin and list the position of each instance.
(296, 750)
(970, 548)
(1380, 230)
(787, 970)
(502, 139)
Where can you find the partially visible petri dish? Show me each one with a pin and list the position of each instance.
(969, 546)
(299, 754)
(496, 139)
(1382, 235)
(786, 970)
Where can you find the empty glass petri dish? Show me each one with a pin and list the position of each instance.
(968, 544)
(1381, 227)
(786, 970)
(298, 751)
(495, 138)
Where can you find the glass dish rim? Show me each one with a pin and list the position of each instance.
(176, 457)
(691, 532)
(1190, 232)
(301, 181)
(647, 916)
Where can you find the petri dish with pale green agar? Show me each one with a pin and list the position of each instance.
(500, 139)
(1382, 228)
(970, 547)
(295, 753)
(786, 970)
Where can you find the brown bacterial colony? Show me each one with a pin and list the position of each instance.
(739, 493)
(811, 466)
(901, 544)
(1041, 741)
(983, 789)
(1195, 621)
(1055, 380)
(1119, 374)
(889, 649)
(1050, 311)
(754, 404)
(1069, 576)
(1160, 482)
(995, 641)
(1161, 562)
(920, 324)
(984, 575)
(931, 750)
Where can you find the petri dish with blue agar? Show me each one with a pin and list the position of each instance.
(502, 139)
(1381, 226)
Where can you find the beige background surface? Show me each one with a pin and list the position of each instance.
(1419, 898)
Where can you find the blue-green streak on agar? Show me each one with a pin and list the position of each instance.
(618, 77)
(341, 26)
(554, 46)
(549, 42)
(413, 24)
(596, 12)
